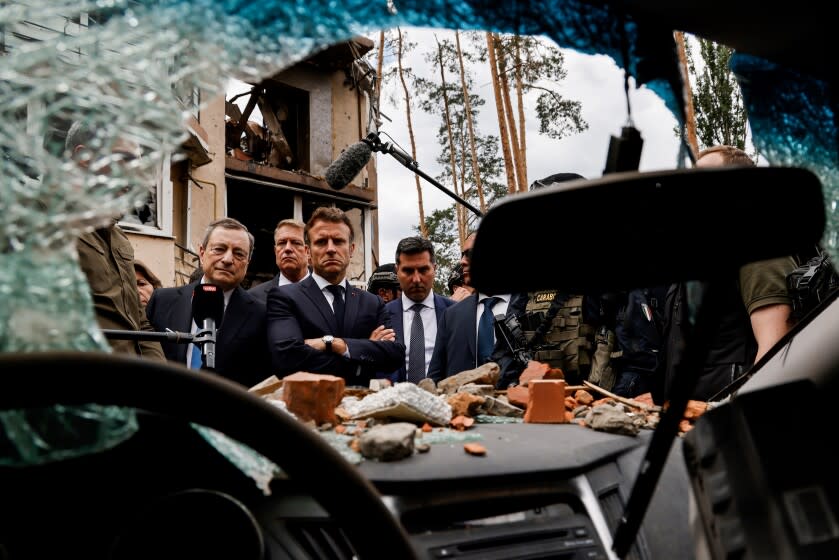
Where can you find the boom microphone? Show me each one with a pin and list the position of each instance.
(350, 162)
(207, 312)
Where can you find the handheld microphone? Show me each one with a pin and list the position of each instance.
(207, 311)
(349, 163)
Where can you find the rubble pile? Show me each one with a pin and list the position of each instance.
(388, 423)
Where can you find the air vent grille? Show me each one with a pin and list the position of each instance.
(320, 540)
(613, 506)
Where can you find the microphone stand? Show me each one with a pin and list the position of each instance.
(377, 145)
(204, 338)
(168, 336)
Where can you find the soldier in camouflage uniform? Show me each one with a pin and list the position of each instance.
(559, 329)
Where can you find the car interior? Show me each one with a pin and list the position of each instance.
(751, 480)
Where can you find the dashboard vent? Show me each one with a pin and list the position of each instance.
(613, 506)
(320, 540)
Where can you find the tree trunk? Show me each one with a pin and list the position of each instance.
(476, 170)
(379, 63)
(452, 153)
(690, 115)
(521, 158)
(502, 119)
(508, 110)
(462, 214)
(423, 228)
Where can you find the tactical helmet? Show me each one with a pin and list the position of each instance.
(383, 277)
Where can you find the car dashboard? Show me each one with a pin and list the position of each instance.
(542, 491)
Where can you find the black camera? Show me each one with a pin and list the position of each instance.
(811, 283)
(510, 331)
(455, 279)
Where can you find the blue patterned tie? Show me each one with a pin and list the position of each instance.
(416, 351)
(338, 306)
(195, 361)
(486, 338)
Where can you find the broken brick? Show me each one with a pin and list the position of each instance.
(534, 370)
(475, 449)
(547, 402)
(313, 396)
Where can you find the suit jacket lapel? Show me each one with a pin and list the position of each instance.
(398, 320)
(314, 293)
(439, 308)
(182, 316)
(471, 326)
(234, 316)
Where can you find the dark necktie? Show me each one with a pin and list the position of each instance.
(416, 352)
(486, 338)
(338, 306)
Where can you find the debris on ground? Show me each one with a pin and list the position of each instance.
(475, 449)
(392, 422)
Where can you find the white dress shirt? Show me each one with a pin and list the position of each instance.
(429, 325)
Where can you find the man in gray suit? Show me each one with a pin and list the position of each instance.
(292, 255)
(416, 313)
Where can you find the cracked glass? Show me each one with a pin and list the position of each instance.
(120, 67)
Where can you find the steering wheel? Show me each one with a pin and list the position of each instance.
(75, 378)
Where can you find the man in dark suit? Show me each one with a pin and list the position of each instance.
(323, 324)
(292, 256)
(458, 346)
(416, 313)
(241, 349)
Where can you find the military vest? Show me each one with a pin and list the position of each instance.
(569, 341)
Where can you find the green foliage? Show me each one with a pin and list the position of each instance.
(718, 103)
(442, 233)
(559, 117)
(541, 66)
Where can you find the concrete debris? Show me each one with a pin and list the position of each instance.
(428, 384)
(465, 404)
(487, 374)
(608, 418)
(388, 442)
(478, 390)
(499, 407)
(403, 401)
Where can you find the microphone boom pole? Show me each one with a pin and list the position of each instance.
(388, 148)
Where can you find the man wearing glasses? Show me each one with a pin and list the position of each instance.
(241, 347)
(292, 257)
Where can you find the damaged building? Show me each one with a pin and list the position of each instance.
(257, 155)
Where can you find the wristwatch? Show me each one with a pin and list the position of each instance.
(327, 339)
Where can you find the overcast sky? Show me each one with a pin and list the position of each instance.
(595, 81)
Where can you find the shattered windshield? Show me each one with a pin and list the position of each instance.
(120, 67)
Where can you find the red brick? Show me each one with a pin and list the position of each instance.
(313, 396)
(547, 402)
